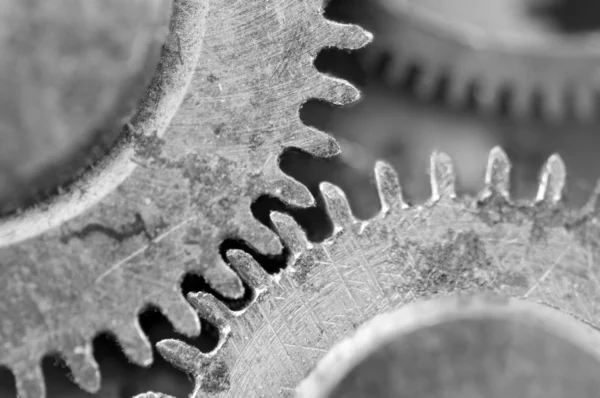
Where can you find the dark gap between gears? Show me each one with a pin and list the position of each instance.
(121, 378)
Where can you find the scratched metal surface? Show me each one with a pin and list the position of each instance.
(537, 251)
(185, 188)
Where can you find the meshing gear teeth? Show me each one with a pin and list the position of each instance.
(243, 70)
(536, 250)
(524, 70)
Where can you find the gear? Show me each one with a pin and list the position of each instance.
(538, 251)
(462, 347)
(495, 54)
(160, 206)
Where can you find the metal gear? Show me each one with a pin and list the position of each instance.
(495, 54)
(459, 347)
(538, 251)
(231, 81)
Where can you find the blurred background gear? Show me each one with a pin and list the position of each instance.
(72, 72)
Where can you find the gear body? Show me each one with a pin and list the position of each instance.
(242, 72)
(536, 251)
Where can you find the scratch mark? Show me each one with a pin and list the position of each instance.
(544, 276)
(142, 249)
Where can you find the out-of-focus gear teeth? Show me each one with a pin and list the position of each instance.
(84, 367)
(135, 344)
(427, 84)
(552, 181)
(179, 312)
(521, 102)
(224, 280)
(487, 96)
(30, 381)
(441, 174)
(291, 233)
(397, 69)
(555, 100)
(248, 269)
(457, 90)
(338, 207)
(584, 103)
(497, 175)
(388, 187)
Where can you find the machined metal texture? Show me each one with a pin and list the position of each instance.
(502, 55)
(462, 347)
(204, 144)
(537, 250)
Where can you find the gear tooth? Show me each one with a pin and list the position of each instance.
(153, 395)
(211, 309)
(338, 207)
(442, 176)
(291, 233)
(388, 186)
(248, 269)
(224, 280)
(497, 175)
(316, 142)
(84, 367)
(30, 381)
(291, 191)
(181, 355)
(334, 90)
(259, 236)
(180, 313)
(134, 343)
(346, 36)
(552, 180)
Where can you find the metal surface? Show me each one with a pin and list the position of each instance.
(230, 83)
(538, 251)
(462, 347)
(71, 74)
(501, 54)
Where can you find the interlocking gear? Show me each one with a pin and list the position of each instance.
(537, 251)
(232, 79)
(495, 53)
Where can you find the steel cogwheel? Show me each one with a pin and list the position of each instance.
(536, 250)
(93, 258)
(487, 54)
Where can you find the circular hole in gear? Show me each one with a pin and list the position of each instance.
(72, 72)
(57, 120)
(484, 357)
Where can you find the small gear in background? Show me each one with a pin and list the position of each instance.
(508, 55)
(394, 121)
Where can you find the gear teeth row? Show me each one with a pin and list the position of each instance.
(277, 294)
(490, 75)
